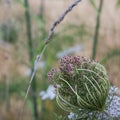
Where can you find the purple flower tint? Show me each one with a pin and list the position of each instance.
(52, 73)
(68, 69)
(77, 61)
(66, 60)
(68, 65)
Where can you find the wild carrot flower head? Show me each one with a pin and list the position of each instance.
(82, 84)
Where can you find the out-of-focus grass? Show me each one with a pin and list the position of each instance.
(68, 36)
(9, 32)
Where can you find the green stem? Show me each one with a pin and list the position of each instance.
(7, 88)
(31, 56)
(96, 35)
(41, 14)
(28, 27)
(108, 114)
(110, 55)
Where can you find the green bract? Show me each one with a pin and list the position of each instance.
(80, 84)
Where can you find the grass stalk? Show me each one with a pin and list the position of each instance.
(47, 40)
(31, 56)
(7, 96)
(96, 34)
(41, 14)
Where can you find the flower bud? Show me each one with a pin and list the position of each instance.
(81, 84)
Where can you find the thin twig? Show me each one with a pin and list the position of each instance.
(97, 27)
(47, 40)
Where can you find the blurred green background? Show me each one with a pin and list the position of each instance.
(24, 25)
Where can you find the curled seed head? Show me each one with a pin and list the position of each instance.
(83, 84)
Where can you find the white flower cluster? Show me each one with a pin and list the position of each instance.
(72, 116)
(49, 93)
(113, 109)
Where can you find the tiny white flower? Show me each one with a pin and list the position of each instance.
(71, 116)
(49, 93)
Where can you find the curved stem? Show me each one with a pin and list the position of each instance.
(107, 114)
(95, 74)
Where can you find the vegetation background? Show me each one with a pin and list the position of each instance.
(24, 25)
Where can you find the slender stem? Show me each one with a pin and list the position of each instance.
(107, 114)
(47, 40)
(96, 35)
(7, 105)
(28, 26)
(41, 14)
(31, 55)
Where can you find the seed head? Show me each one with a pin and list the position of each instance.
(83, 84)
